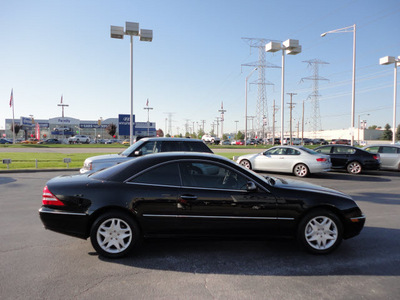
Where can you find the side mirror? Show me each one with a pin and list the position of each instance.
(251, 186)
(137, 153)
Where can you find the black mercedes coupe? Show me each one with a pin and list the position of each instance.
(181, 194)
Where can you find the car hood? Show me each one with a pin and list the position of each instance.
(297, 185)
(108, 157)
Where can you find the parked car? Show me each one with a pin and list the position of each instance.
(353, 159)
(207, 138)
(277, 141)
(288, 159)
(5, 141)
(50, 141)
(84, 139)
(239, 142)
(389, 154)
(143, 147)
(340, 142)
(30, 141)
(174, 194)
(318, 142)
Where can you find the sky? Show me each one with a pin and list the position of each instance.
(194, 64)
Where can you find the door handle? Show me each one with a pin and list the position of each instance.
(188, 197)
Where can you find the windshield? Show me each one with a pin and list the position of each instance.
(132, 148)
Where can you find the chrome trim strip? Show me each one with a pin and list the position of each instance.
(61, 213)
(217, 217)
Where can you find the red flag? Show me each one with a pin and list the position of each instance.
(61, 98)
(11, 98)
(147, 103)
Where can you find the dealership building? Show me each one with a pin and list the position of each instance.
(64, 127)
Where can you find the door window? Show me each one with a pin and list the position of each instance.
(161, 175)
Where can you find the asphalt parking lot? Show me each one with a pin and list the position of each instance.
(40, 264)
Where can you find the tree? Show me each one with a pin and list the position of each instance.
(373, 127)
(16, 128)
(398, 133)
(160, 133)
(387, 133)
(200, 133)
(111, 129)
(239, 136)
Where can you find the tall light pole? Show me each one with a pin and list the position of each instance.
(290, 47)
(351, 28)
(245, 116)
(386, 61)
(148, 116)
(131, 29)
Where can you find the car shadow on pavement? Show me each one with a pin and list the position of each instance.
(5, 180)
(370, 253)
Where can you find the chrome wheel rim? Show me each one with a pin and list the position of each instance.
(301, 170)
(321, 233)
(245, 164)
(114, 235)
(355, 168)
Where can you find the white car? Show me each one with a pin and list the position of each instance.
(300, 161)
(211, 139)
(389, 155)
(84, 139)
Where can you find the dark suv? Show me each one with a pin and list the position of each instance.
(353, 159)
(143, 147)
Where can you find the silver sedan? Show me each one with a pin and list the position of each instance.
(300, 161)
(389, 155)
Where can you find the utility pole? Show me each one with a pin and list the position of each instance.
(222, 111)
(202, 122)
(302, 126)
(236, 128)
(291, 106)
(148, 116)
(217, 120)
(274, 110)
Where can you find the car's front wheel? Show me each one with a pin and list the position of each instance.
(320, 232)
(300, 170)
(354, 167)
(114, 234)
(245, 163)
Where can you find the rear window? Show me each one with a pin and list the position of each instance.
(195, 147)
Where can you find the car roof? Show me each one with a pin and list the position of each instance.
(382, 145)
(170, 139)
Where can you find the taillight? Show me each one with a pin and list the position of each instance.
(322, 159)
(49, 199)
(376, 156)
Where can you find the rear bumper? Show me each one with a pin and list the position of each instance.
(74, 224)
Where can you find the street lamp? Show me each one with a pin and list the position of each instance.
(291, 47)
(146, 35)
(351, 28)
(245, 117)
(358, 127)
(387, 60)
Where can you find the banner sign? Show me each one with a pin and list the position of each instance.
(124, 124)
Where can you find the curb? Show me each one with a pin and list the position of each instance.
(37, 170)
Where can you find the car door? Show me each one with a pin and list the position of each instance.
(340, 156)
(214, 200)
(154, 198)
(271, 160)
(390, 157)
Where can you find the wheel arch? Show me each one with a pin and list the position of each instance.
(326, 207)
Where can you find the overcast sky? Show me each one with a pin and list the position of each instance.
(54, 48)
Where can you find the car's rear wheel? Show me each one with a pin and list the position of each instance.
(320, 232)
(300, 170)
(354, 167)
(114, 234)
(245, 163)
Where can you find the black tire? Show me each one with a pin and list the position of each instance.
(115, 234)
(354, 167)
(301, 170)
(320, 232)
(246, 163)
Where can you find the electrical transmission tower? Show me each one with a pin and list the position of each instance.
(169, 130)
(314, 96)
(261, 64)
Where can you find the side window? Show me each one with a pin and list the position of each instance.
(210, 176)
(195, 147)
(163, 175)
(373, 149)
(169, 146)
(388, 150)
(324, 150)
(147, 148)
(290, 151)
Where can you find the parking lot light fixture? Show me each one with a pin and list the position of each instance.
(351, 28)
(146, 35)
(387, 60)
(290, 47)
